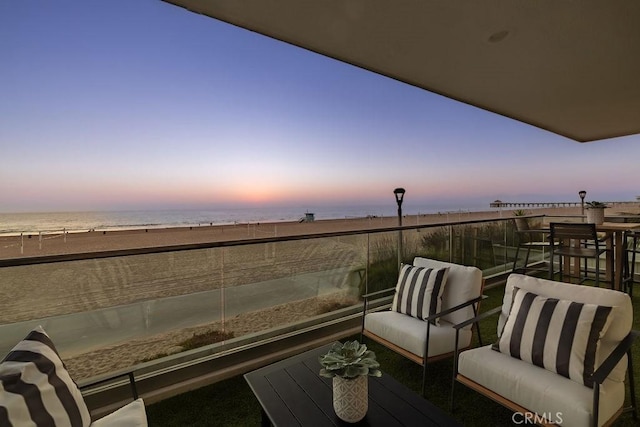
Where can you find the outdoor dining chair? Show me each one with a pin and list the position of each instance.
(575, 240)
(528, 239)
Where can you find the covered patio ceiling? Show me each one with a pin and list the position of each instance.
(571, 67)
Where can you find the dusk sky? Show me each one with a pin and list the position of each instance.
(140, 104)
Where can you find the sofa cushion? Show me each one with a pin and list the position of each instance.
(35, 387)
(130, 415)
(410, 333)
(537, 389)
(463, 284)
(419, 291)
(559, 335)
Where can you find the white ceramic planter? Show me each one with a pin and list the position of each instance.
(595, 215)
(351, 398)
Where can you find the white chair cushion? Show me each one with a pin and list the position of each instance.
(463, 284)
(419, 291)
(537, 389)
(130, 415)
(410, 333)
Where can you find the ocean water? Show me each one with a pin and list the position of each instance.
(53, 222)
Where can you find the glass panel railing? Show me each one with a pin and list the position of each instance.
(382, 265)
(111, 313)
(277, 284)
(100, 308)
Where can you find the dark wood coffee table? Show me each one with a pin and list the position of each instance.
(291, 392)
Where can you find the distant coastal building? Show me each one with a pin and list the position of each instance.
(308, 217)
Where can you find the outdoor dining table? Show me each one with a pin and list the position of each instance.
(613, 234)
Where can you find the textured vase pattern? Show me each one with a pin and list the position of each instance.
(595, 216)
(351, 398)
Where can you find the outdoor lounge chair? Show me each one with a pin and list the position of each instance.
(560, 355)
(36, 389)
(424, 333)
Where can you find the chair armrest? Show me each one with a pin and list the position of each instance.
(456, 308)
(534, 230)
(378, 293)
(478, 318)
(544, 234)
(92, 382)
(616, 355)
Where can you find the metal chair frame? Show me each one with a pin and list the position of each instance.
(527, 240)
(631, 249)
(575, 240)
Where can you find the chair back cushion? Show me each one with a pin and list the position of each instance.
(35, 387)
(619, 319)
(559, 335)
(463, 284)
(419, 291)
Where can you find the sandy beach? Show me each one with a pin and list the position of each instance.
(97, 285)
(92, 241)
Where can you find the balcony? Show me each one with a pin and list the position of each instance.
(185, 317)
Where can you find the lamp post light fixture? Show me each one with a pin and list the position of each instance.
(582, 195)
(399, 193)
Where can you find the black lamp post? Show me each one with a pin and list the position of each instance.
(399, 193)
(582, 195)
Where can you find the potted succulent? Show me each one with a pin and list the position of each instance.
(349, 365)
(595, 212)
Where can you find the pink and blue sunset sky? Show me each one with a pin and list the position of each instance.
(137, 105)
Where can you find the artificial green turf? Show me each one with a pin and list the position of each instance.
(231, 402)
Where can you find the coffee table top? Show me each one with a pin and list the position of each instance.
(291, 392)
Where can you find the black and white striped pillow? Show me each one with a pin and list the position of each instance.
(419, 291)
(36, 389)
(558, 335)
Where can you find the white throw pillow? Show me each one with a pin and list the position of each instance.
(36, 389)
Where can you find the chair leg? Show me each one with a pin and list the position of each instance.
(632, 387)
(455, 372)
(364, 314)
(596, 404)
(560, 272)
(424, 378)
(477, 325)
(515, 260)
(632, 267)
(452, 406)
(526, 260)
(424, 361)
